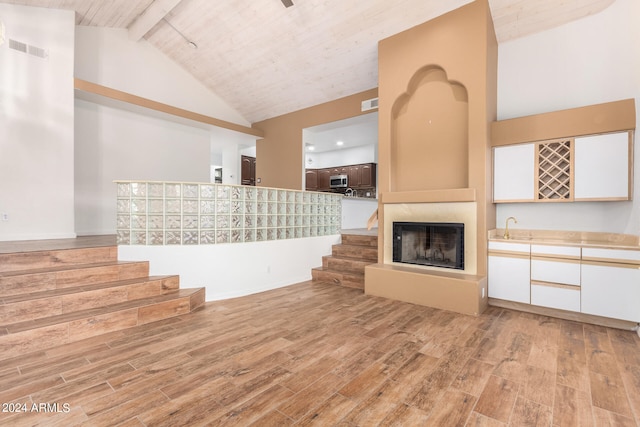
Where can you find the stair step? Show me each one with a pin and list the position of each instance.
(65, 276)
(360, 240)
(355, 252)
(51, 258)
(345, 265)
(36, 335)
(351, 280)
(18, 308)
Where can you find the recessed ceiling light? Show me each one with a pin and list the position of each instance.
(339, 143)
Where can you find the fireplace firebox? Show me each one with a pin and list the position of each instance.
(434, 244)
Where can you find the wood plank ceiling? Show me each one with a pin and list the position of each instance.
(265, 60)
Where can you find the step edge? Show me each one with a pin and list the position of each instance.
(59, 292)
(92, 312)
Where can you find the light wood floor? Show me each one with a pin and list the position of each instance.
(57, 244)
(315, 353)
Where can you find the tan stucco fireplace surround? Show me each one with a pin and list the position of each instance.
(437, 99)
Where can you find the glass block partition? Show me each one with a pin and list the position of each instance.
(181, 213)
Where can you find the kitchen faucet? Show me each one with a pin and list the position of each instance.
(506, 227)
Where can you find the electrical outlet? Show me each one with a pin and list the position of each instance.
(4, 216)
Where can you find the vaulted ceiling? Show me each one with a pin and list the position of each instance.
(265, 59)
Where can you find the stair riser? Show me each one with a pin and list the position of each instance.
(83, 300)
(351, 281)
(345, 265)
(46, 259)
(37, 282)
(358, 252)
(15, 344)
(356, 240)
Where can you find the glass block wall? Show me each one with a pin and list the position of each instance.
(179, 213)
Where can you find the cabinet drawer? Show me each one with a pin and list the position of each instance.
(504, 247)
(552, 270)
(570, 252)
(560, 297)
(611, 255)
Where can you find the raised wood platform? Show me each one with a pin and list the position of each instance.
(345, 266)
(60, 291)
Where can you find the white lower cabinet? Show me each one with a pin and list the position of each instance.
(597, 281)
(509, 272)
(611, 291)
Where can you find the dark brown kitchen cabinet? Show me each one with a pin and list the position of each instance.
(368, 175)
(311, 179)
(323, 179)
(355, 175)
(248, 170)
(358, 176)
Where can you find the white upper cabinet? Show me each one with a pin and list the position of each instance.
(602, 167)
(514, 173)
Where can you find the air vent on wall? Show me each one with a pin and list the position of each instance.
(37, 51)
(370, 104)
(26, 48)
(16, 45)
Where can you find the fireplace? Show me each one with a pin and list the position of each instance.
(434, 244)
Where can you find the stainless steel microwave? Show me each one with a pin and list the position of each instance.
(338, 181)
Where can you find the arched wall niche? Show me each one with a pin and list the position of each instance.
(429, 133)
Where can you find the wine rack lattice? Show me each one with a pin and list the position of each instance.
(554, 170)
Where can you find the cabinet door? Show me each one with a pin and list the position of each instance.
(368, 175)
(509, 271)
(324, 183)
(354, 176)
(311, 179)
(611, 283)
(513, 173)
(611, 291)
(509, 278)
(602, 167)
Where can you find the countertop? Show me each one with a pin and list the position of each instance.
(371, 199)
(568, 238)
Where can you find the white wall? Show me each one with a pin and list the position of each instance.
(114, 144)
(36, 125)
(347, 156)
(233, 270)
(107, 57)
(590, 61)
(356, 212)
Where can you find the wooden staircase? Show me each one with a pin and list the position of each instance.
(57, 296)
(345, 265)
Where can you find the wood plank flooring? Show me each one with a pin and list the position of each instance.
(57, 244)
(319, 354)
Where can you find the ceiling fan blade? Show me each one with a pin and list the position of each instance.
(287, 3)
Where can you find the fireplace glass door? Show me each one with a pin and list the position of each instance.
(429, 243)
